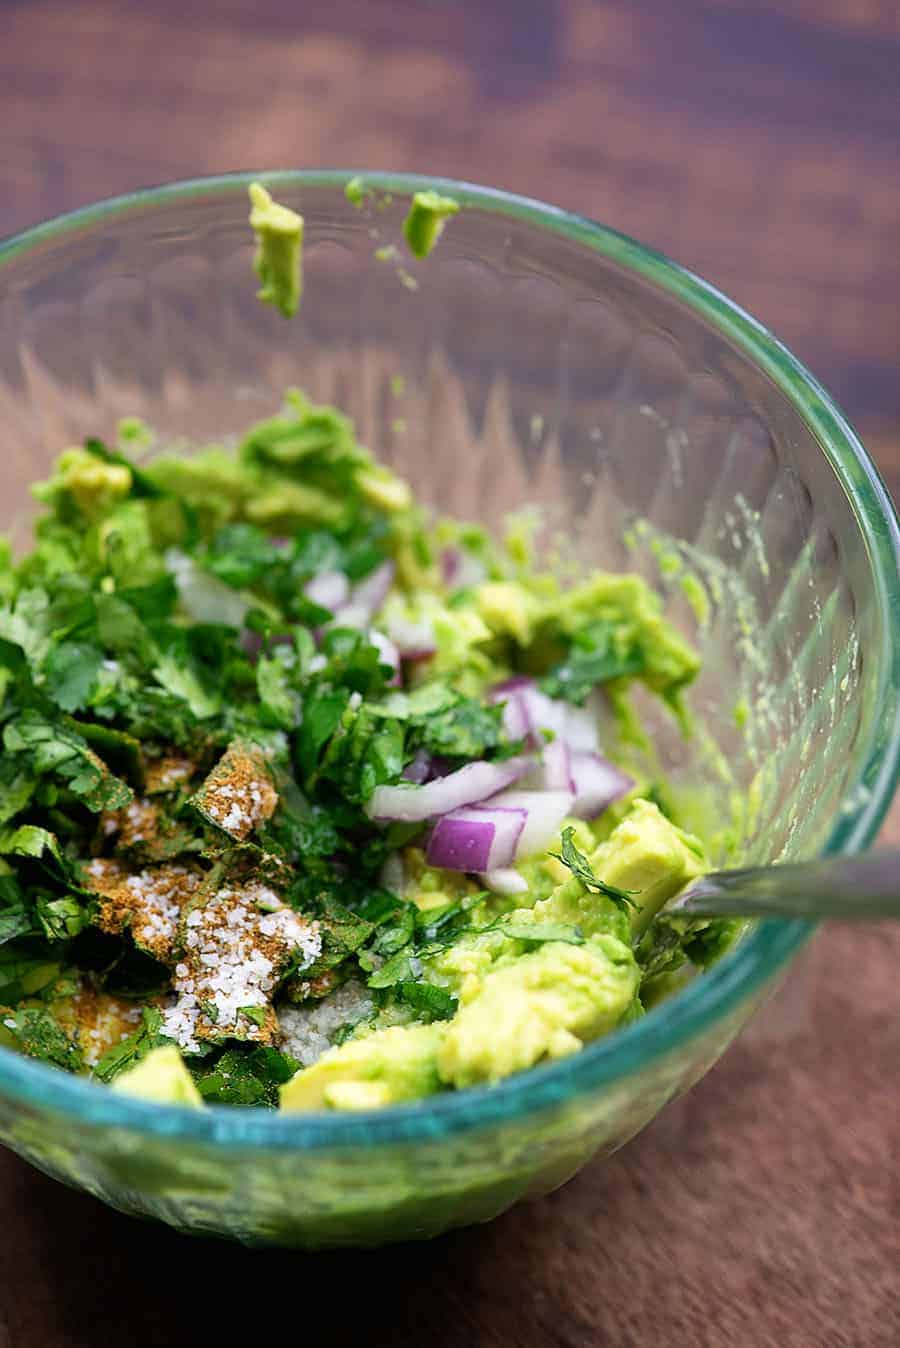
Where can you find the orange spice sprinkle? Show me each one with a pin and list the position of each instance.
(238, 795)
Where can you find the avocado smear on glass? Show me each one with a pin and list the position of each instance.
(303, 800)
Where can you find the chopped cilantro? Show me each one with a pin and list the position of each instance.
(596, 655)
(130, 1051)
(38, 1034)
(580, 867)
(431, 1002)
(245, 1076)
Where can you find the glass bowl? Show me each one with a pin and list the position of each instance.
(536, 357)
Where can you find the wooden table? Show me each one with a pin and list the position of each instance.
(757, 144)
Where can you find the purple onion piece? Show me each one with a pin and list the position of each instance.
(511, 685)
(328, 589)
(526, 706)
(557, 767)
(414, 641)
(387, 654)
(466, 786)
(545, 812)
(504, 881)
(451, 564)
(581, 730)
(418, 768)
(475, 839)
(459, 568)
(459, 844)
(371, 593)
(597, 784)
(251, 642)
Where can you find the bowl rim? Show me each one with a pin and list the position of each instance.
(706, 1001)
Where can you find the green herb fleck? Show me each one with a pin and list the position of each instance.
(580, 867)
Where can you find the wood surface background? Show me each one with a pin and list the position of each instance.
(758, 144)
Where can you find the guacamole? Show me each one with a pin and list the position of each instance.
(425, 221)
(279, 243)
(303, 799)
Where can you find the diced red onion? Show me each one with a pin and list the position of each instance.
(467, 785)
(597, 784)
(352, 615)
(418, 768)
(251, 642)
(515, 720)
(372, 592)
(581, 730)
(545, 812)
(329, 589)
(528, 711)
(414, 641)
(475, 839)
(460, 569)
(388, 655)
(511, 685)
(504, 881)
(556, 767)
(365, 598)
(392, 875)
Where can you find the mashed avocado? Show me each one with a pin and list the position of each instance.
(278, 260)
(425, 221)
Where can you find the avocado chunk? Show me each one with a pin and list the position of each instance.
(646, 855)
(161, 1076)
(542, 1005)
(384, 1068)
(279, 240)
(508, 609)
(425, 221)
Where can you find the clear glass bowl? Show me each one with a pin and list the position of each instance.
(544, 359)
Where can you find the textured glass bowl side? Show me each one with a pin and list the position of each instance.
(543, 359)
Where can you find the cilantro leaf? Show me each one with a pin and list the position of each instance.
(245, 1076)
(240, 554)
(580, 867)
(431, 1002)
(596, 655)
(276, 695)
(322, 712)
(60, 919)
(16, 788)
(182, 680)
(122, 631)
(72, 669)
(15, 921)
(343, 933)
(47, 747)
(37, 1034)
(446, 723)
(130, 1051)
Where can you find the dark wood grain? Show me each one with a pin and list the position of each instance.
(758, 144)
